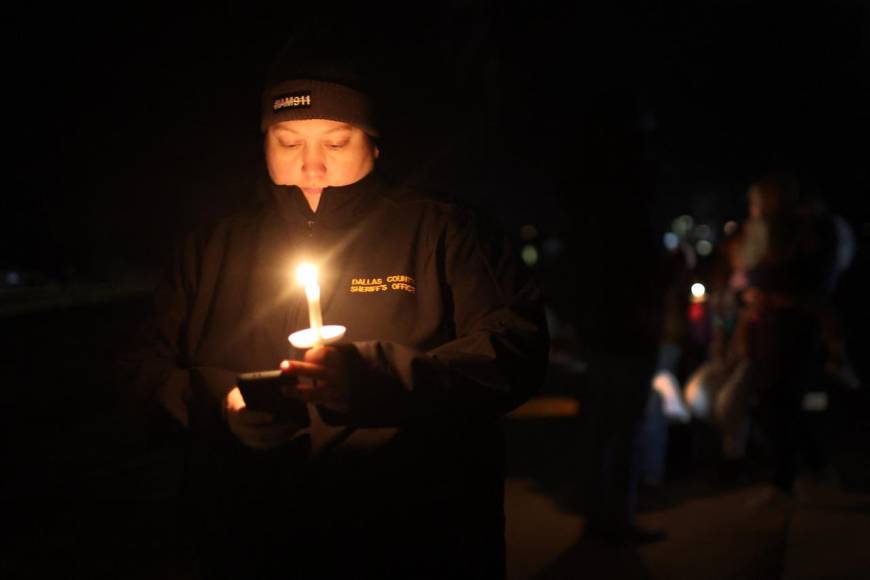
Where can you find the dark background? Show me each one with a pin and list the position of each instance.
(126, 127)
(596, 124)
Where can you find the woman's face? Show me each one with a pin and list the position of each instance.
(318, 153)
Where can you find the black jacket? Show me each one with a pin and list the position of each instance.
(449, 331)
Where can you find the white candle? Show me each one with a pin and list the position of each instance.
(306, 274)
(315, 318)
(317, 334)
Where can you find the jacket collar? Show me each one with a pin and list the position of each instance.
(339, 206)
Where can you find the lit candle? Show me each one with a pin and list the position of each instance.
(306, 275)
(318, 334)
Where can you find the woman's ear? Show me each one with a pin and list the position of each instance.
(377, 152)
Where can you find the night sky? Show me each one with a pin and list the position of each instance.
(130, 127)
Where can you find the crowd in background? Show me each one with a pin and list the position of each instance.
(735, 359)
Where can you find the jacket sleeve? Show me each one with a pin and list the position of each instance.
(157, 369)
(498, 355)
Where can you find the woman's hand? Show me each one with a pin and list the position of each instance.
(256, 429)
(329, 383)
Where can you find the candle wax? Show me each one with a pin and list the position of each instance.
(312, 292)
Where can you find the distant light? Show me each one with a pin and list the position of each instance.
(12, 278)
(529, 254)
(815, 401)
(672, 241)
(704, 248)
(730, 227)
(682, 225)
(703, 232)
(528, 232)
(698, 290)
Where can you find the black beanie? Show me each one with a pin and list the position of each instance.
(320, 87)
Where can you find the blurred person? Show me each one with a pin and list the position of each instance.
(678, 275)
(619, 296)
(621, 354)
(717, 391)
(836, 241)
(400, 472)
(764, 366)
(665, 405)
(794, 325)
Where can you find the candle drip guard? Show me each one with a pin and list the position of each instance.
(308, 338)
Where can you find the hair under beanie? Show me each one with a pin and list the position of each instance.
(320, 87)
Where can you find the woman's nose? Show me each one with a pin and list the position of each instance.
(313, 162)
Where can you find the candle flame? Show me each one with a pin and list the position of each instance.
(306, 274)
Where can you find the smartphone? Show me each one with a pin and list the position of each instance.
(264, 391)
